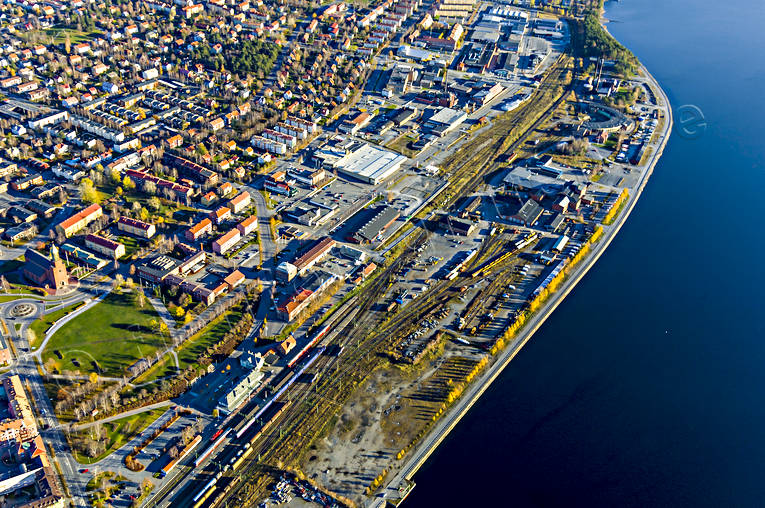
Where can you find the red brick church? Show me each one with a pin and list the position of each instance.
(43, 271)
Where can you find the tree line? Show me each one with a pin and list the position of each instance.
(590, 39)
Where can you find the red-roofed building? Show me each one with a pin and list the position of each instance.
(110, 248)
(239, 202)
(248, 225)
(226, 242)
(79, 220)
(198, 230)
(220, 214)
(234, 279)
(136, 227)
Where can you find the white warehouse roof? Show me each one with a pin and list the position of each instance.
(370, 163)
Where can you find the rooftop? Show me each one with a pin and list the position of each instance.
(370, 163)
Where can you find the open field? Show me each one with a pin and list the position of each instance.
(401, 145)
(382, 417)
(108, 337)
(40, 326)
(59, 35)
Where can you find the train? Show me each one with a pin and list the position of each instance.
(204, 489)
(221, 434)
(520, 244)
(204, 497)
(185, 453)
(461, 265)
(215, 444)
(279, 393)
(240, 460)
(319, 335)
(517, 246)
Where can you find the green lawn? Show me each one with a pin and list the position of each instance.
(192, 348)
(131, 245)
(11, 265)
(115, 333)
(118, 433)
(75, 36)
(40, 326)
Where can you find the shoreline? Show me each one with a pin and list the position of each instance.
(417, 458)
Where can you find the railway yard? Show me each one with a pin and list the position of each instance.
(316, 296)
(393, 357)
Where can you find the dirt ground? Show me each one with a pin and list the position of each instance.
(384, 415)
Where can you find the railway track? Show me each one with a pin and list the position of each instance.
(313, 405)
(311, 409)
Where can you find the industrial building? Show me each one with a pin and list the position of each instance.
(315, 254)
(445, 120)
(405, 115)
(529, 213)
(376, 225)
(458, 226)
(527, 179)
(369, 164)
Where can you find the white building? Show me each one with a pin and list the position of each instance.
(369, 163)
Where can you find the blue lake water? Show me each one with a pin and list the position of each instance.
(646, 387)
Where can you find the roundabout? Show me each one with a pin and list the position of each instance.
(22, 310)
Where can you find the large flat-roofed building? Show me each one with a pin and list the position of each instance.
(76, 222)
(445, 120)
(369, 163)
(158, 268)
(530, 180)
(376, 225)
